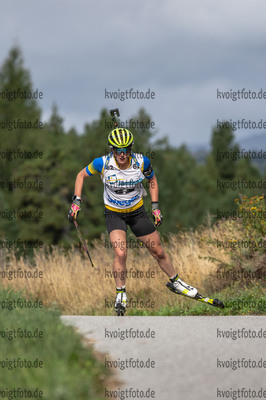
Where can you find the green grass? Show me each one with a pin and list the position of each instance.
(238, 300)
(70, 371)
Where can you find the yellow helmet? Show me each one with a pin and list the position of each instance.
(120, 138)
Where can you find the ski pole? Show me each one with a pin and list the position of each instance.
(83, 242)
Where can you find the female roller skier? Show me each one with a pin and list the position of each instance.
(122, 172)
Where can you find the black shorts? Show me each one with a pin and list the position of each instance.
(138, 220)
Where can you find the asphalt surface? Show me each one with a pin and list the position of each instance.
(203, 358)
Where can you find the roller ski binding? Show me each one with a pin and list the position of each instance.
(179, 287)
(120, 302)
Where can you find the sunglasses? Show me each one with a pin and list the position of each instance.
(122, 150)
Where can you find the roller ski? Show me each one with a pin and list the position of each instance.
(179, 287)
(120, 302)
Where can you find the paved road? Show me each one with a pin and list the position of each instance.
(188, 356)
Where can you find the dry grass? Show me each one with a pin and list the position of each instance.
(70, 283)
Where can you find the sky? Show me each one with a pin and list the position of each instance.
(187, 53)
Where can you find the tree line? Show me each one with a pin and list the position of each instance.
(39, 162)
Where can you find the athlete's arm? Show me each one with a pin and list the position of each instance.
(95, 167)
(154, 191)
(79, 181)
(154, 188)
(150, 176)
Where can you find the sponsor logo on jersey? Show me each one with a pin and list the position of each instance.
(123, 203)
(115, 182)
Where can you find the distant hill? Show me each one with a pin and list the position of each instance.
(256, 142)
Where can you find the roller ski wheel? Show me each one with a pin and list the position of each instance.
(120, 310)
(120, 302)
(213, 302)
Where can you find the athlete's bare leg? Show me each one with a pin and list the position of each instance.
(153, 244)
(119, 242)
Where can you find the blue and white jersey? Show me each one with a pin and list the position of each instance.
(123, 188)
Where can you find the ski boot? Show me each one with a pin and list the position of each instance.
(121, 301)
(180, 287)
